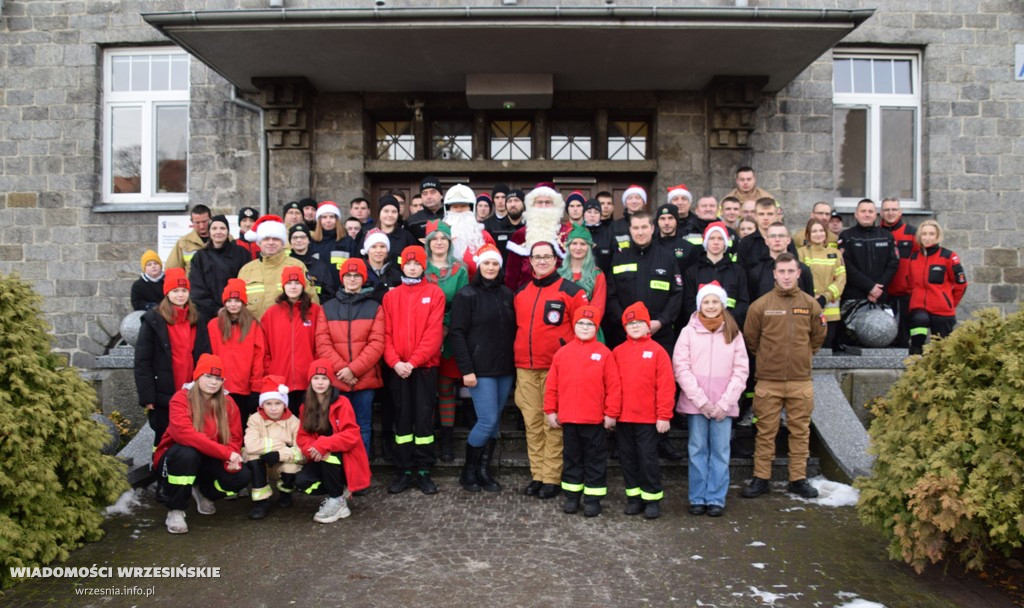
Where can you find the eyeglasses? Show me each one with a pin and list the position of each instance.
(635, 324)
(542, 258)
(585, 323)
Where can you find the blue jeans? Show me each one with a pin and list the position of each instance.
(709, 460)
(489, 397)
(362, 405)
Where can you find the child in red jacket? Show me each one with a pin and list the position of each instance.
(330, 440)
(413, 329)
(646, 411)
(583, 396)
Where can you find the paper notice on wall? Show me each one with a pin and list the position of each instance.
(170, 228)
(1018, 63)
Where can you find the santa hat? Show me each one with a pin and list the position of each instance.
(460, 194)
(235, 289)
(273, 387)
(488, 252)
(414, 253)
(588, 312)
(543, 189)
(679, 190)
(636, 312)
(293, 273)
(175, 278)
(373, 237)
(208, 364)
(267, 227)
(712, 288)
(634, 189)
(327, 207)
(352, 265)
(716, 227)
(576, 196)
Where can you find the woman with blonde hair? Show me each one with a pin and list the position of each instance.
(937, 284)
(828, 272)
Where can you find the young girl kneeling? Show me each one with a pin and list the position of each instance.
(270, 447)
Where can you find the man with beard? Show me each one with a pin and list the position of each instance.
(543, 216)
(430, 191)
(501, 226)
(468, 235)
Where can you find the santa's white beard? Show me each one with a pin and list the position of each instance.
(542, 224)
(467, 233)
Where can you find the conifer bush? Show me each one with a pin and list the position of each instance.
(949, 437)
(53, 479)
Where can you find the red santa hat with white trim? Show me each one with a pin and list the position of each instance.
(273, 387)
(720, 228)
(267, 227)
(634, 189)
(679, 190)
(328, 207)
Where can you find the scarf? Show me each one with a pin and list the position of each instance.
(711, 325)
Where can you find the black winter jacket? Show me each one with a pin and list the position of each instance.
(761, 279)
(871, 258)
(483, 328)
(730, 275)
(146, 294)
(324, 275)
(209, 273)
(154, 372)
(649, 275)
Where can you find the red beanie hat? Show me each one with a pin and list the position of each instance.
(414, 253)
(636, 312)
(322, 367)
(293, 273)
(353, 265)
(235, 289)
(587, 312)
(208, 364)
(175, 278)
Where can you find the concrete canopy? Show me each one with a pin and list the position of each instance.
(585, 49)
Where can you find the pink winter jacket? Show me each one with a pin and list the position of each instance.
(708, 369)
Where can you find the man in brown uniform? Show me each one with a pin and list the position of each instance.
(784, 328)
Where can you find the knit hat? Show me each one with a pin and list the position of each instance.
(297, 228)
(388, 201)
(430, 182)
(267, 227)
(515, 193)
(289, 206)
(712, 288)
(328, 207)
(667, 209)
(322, 367)
(352, 265)
(488, 252)
(439, 226)
(483, 196)
(414, 253)
(500, 189)
(293, 273)
(587, 312)
(634, 189)
(373, 237)
(579, 232)
(273, 387)
(592, 203)
(308, 202)
(716, 227)
(636, 312)
(235, 289)
(150, 256)
(248, 213)
(221, 218)
(575, 196)
(208, 364)
(459, 194)
(679, 190)
(175, 278)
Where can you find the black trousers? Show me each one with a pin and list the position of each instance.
(902, 306)
(295, 399)
(158, 421)
(247, 405)
(585, 460)
(326, 476)
(638, 456)
(921, 322)
(260, 479)
(183, 467)
(414, 400)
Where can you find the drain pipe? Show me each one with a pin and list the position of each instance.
(264, 155)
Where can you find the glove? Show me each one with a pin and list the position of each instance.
(822, 301)
(271, 458)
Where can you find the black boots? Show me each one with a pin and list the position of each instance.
(447, 447)
(486, 480)
(469, 479)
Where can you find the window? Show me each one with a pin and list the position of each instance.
(395, 140)
(511, 140)
(627, 139)
(451, 140)
(145, 125)
(571, 140)
(877, 127)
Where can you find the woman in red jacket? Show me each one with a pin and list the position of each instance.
(331, 443)
(350, 334)
(237, 338)
(937, 284)
(289, 330)
(200, 454)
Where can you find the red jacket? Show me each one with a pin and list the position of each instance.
(290, 343)
(544, 309)
(648, 382)
(252, 248)
(937, 281)
(181, 432)
(344, 439)
(243, 361)
(414, 324)
(906, 245)
(350, 333)
(583, 385)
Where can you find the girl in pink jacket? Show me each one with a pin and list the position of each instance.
(711, 366)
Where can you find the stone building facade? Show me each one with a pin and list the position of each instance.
(80, 250)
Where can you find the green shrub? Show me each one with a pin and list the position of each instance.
(53, 479)
(949, 437)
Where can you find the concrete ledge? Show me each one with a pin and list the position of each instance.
(841, 431)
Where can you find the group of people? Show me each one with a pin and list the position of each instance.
(597, 323)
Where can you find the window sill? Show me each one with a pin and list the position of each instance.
(140, 207)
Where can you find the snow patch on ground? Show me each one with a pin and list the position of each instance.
(861, 603)
(768, 598)
(758, 565)
(696, 557)
(756, 543)
(125, 504)
(831, 493)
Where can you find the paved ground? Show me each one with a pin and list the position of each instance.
(458, 549)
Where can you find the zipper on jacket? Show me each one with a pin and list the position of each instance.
(533, 316)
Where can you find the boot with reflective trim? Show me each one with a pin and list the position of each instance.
(488, 482)
(469, 479)
(634, 506)
(176, 522)
(652, 510)
(572, 503)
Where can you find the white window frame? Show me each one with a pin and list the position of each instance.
(148, 102)
(874, 103)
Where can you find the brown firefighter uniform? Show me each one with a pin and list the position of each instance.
(183, 251)
(784, 328)
(262, 278)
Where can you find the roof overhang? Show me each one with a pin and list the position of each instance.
(435, 49)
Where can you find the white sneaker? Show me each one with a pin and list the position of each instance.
(176, 522)
(331, 510)
(204, 505)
